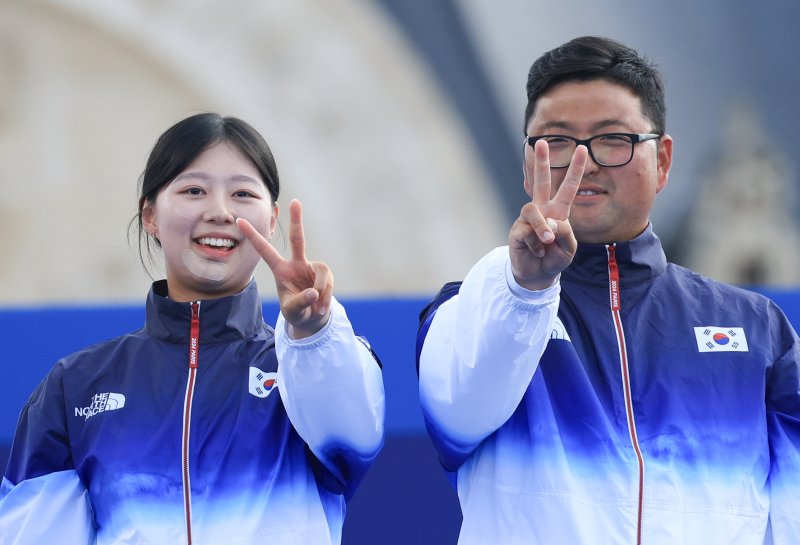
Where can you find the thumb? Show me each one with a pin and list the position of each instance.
(294, 307)
(565, 237)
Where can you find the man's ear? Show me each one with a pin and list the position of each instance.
(664, 161)
(526, 183)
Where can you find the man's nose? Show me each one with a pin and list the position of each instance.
(591, 165)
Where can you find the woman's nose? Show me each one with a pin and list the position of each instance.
(219, 210)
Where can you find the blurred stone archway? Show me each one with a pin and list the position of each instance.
(395, 199)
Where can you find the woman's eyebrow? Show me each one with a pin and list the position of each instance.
(209, 178)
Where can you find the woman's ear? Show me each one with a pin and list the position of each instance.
(149, 218)
(273, 222)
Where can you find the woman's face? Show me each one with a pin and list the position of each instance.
(194, 219)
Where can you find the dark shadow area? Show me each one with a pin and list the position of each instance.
(405, 499)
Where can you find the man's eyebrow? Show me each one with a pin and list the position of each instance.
(562, 125)
(570, 127)
(605, 123)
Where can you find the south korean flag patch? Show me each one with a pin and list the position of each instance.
(720, 339)
(262, 383)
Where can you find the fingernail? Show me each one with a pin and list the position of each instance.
(548, 236)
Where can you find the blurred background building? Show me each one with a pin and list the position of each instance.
(398, 123)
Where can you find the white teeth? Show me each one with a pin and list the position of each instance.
(588, 192)
(217, 242)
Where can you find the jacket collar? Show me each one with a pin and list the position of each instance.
(640, 260)
(221, 320)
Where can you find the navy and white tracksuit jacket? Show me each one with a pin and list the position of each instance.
(189, 431)
(650, 405)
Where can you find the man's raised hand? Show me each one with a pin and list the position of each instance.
(541, 242)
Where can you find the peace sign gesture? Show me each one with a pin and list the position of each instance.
(541, 243)
(304, 287)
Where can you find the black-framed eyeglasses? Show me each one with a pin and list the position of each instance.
(607, 150)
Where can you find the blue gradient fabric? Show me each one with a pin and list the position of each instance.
(99, 454)
(674, 420)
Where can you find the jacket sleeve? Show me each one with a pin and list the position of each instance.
(477, 354)
(783, 421)
(42, 499)
(53, 508)
(332, 387)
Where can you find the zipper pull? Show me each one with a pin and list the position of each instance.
(194, 342)
(613, 277)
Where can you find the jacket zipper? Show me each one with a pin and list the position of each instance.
(616, 305)
(194, 350)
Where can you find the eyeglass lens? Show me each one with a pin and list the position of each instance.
(607, 150)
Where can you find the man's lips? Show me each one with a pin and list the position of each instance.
(590, 191)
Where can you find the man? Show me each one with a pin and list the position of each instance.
(590, 392)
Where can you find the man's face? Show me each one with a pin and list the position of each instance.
(613, 203)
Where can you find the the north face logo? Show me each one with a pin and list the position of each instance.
(108, 401)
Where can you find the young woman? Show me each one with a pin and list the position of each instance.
(205, 426)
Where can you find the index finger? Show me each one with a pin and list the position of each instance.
(262, 245)
(297, 239)
(540, 183)
(565, 195)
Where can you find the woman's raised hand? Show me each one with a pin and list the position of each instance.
(304, 287)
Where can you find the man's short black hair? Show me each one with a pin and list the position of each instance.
(595, 58)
